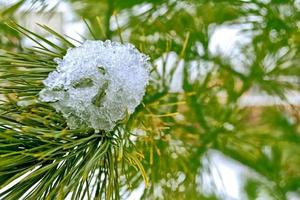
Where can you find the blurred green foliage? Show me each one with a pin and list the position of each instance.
(177, 129)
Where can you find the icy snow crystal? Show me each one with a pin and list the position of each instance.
(97, 84)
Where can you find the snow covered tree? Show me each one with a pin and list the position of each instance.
(141, 108)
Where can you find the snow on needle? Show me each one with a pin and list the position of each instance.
(97, 84)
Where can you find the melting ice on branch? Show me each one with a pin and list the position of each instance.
(97, 84)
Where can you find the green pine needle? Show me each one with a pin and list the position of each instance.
(37, 149)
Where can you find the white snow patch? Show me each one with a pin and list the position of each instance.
(97, 84)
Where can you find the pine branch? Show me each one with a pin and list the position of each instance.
(37, 149)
